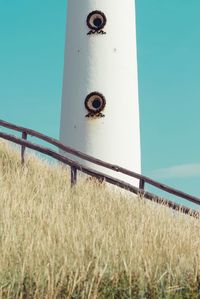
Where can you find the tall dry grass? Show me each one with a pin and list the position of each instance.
(88, 242)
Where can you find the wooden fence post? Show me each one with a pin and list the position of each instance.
(73, 176)
(142, 184)
(24, 136)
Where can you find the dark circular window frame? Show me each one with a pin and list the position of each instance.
(96, 12)
(94, 112)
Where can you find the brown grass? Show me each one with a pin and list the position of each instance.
(88, 242)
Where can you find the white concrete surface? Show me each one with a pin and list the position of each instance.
(106, 64)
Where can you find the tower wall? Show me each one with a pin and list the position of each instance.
(106, 64)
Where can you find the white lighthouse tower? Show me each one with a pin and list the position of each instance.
(100, 111)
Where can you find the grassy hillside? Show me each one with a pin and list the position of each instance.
(88, 242)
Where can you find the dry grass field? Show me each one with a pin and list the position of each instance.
(88, 242)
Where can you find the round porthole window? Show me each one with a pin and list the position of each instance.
(95, 103)
(96, 21)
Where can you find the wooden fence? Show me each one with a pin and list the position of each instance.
(75, 167)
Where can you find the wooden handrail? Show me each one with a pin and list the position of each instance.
(97, 174)
(142, 179)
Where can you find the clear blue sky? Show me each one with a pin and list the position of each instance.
(32, 37)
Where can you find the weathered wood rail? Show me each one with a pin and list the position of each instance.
(75, 166)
